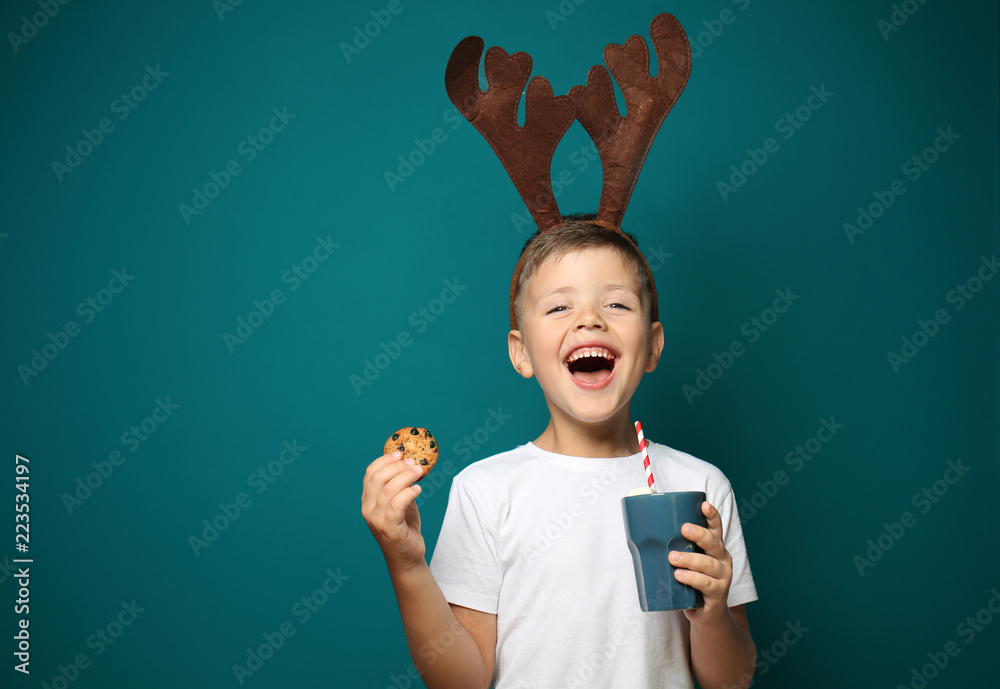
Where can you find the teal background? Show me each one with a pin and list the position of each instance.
(324, 175)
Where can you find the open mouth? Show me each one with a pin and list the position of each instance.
(591, 365)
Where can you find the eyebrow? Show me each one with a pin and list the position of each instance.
(610, 287)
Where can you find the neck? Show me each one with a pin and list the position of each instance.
(614, 437)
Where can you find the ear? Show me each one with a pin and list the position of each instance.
(655, 346)
(519, 354)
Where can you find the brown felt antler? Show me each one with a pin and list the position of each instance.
(624, 142)
(525, 151)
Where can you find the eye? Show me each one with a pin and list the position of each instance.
(619, 305)
(556, 309)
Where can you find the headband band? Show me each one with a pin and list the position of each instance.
(622, 142)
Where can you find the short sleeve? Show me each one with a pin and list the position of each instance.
(742, 590)
(465, 563)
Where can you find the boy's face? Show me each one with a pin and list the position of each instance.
(584, 334)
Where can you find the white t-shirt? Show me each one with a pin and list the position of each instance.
(538, 539)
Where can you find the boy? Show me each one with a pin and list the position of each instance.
(531, 584)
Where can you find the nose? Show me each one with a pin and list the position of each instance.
(590, 318)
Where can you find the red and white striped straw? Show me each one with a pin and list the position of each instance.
(645, 457)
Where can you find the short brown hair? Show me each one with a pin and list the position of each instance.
(576, 233)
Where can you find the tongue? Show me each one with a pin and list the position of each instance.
(592, 376)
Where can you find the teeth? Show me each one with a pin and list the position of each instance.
(590, 351)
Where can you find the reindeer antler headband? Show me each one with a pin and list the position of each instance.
(622, 142)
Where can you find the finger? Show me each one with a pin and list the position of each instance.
(710, 587)
(398, 505)
(409, 472)
(379, 465)
(382, 461)
(704, 539)
(388, 501)
(378, 474)
(697, 562)
(713, 517)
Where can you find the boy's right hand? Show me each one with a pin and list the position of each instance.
(388, 506)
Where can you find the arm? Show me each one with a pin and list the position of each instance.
(723, 654)
(452, 647)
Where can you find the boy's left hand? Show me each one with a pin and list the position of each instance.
(711, 572)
